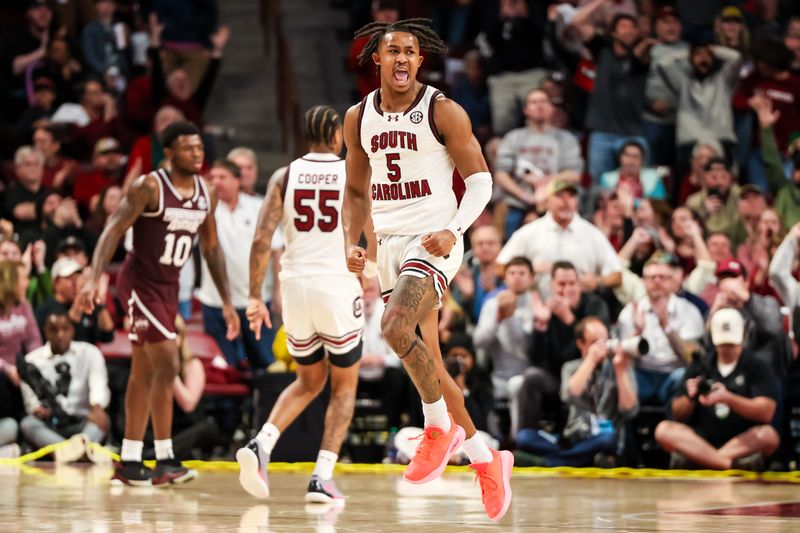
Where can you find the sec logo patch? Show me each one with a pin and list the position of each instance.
(416, 117)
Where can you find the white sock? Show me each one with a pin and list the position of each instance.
(325, 462)
(131, 450)
(163, 449)
(436, 414)
(477, 450)
(267, 437)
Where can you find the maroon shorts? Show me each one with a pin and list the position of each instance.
(151, 308)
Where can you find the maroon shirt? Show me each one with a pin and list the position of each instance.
(163, 239)
(785, 96)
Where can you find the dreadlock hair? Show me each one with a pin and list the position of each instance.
(418, 27)
(320, 123)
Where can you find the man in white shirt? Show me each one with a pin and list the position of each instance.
(672, 326)
(65, 390)
(562, 235)
(237, 216)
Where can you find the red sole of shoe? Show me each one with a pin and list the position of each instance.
(457, 442)
(507, 464)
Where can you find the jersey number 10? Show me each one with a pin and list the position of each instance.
(303, 206)
(176, 252)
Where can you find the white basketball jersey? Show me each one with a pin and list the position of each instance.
(412, 172)
(313, 190)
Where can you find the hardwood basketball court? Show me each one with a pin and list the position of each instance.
(80, 499)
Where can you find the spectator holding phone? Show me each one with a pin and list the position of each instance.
(718, 201)
(722, 417)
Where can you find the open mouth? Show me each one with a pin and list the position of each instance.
(401, 76)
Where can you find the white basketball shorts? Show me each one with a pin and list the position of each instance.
(403, 255)
(322, 310)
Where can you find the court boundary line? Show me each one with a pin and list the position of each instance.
(394, 469)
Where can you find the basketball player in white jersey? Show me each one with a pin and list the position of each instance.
(404, 142)
(321, 303)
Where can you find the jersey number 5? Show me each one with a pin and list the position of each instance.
(393, 167)
(176, 253)
(303, 202)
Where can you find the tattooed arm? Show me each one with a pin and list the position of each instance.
(141, 195)
(215, 259)
(260, 252)
(356, 203)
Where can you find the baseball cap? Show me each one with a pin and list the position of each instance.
(750, 189)
(558, 185)
(43, 83)
(730, 268)
(731, 13)
(717, 161)
(32, 4)
(727, 327)
(664, 258)
(71, 242)
(64, 268)
(666, 11)
(107, 145)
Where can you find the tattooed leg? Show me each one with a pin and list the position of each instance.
(412, 298)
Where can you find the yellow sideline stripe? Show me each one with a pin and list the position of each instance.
(395, 469)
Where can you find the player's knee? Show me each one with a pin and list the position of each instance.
(166, 369)
(395, 328)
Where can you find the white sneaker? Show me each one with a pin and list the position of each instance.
(9, 451)
(71, 449)
(98, 454)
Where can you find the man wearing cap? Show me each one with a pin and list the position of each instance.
(98, 326)
(765, 338)
(237, 217)
(722, 416)
(672, 326)
(107, 167)
(717, 203)
(529, 158)
(562, 235)
(73, 248)
(786, 192)
(661, 103)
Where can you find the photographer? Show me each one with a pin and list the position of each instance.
(671, 325)
(600, 389)
(722, 418)
(552, 345)
(65, 390)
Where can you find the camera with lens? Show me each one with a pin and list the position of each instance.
(455, 367)
(633, 347)
(704, 386)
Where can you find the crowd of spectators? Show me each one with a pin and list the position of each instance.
(643, 234)
(639, 255)
(86, 88)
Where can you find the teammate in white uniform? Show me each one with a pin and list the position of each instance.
(404, 141)
(321, 303)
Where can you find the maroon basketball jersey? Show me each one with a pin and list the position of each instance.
(163, 239)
